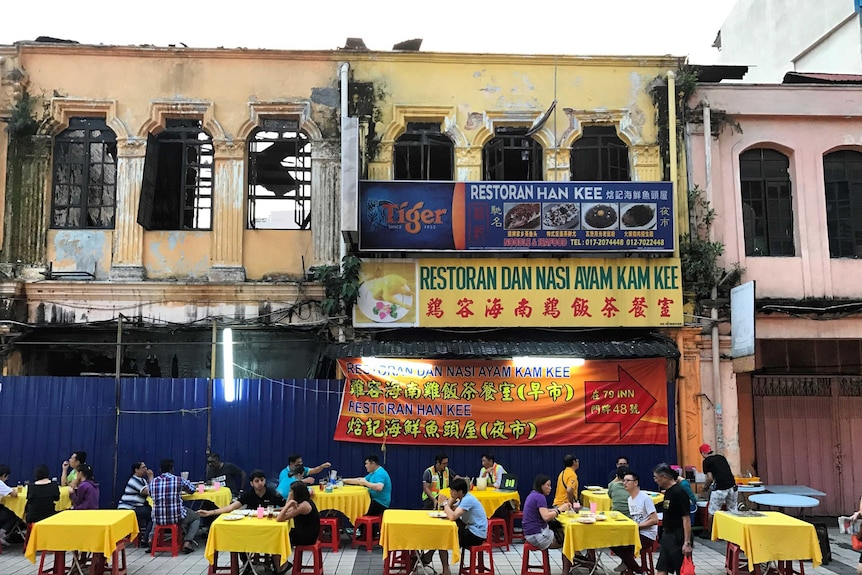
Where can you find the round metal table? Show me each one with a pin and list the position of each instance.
(783, 501)
(751, 489)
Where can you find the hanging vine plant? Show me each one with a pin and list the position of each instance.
(341, 285)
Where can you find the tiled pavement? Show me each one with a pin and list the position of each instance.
(708, 559)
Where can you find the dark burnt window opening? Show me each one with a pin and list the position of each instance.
(84, 185)
(599, 155)
(423, 153)
(512, 156)
(279, 177)
(842, 172)
(177, 190)
(767, 207)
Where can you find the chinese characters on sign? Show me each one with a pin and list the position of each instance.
(500, 402)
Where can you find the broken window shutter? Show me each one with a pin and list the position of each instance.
(146, 204)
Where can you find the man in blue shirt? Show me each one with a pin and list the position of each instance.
(473, 528)
(297, 471)
(378, 483)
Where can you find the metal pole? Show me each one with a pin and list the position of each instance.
(119, 367)
(214, 354)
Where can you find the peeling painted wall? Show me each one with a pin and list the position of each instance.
(177, 255)
(276, 253)
(81, 251)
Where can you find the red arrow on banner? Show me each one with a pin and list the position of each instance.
(624, 402)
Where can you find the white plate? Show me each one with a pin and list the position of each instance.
(600, 517)
(587, 520)
(380, 311)
(436, 514)
(595, 487)
(232, 517)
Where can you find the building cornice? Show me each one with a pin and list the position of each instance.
(54, 291)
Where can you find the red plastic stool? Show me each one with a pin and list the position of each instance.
(734, 561)
(59, 566)
(316, 567)
(332, 523)
(498, 535)
(367, 522)
(477, 560)
(527, 569)
(647, 558)
(231, 567)
(398, 563)
(160, 542)
(519, 534)
(118, 564)
(786, 568)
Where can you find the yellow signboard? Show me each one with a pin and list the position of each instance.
(521, 293)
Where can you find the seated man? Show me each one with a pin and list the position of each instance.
(297, 471)
(69, 476)
(228, 474)
(8, 519)
(642, 511)
(491, 470)
(472, 522)
(260, 496)
(135, 497)
(379, 487)
(168, 509)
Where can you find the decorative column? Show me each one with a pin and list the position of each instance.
(380, 167)
(468, 164)
(228, 223)
(27, 206)
(128, 263)
(647, 167)
(326, 200)
(557, 162)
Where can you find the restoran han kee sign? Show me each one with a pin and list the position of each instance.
(516, 216)
(516, 292)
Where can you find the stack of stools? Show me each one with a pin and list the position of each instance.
(367, 522)
(398, 563)
(519, 534)
(332, 524)
(498, 533)
(527, 569)
(316, 567)
(160, 542)
(477, 560)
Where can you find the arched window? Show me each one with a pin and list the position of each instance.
(842, 172)
(84, 187)
(177, 191)
(512, 156)
(279, 177)
(423, 153)
(767, 206)
(600, 156)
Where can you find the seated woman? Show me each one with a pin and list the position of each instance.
(86, 494)
(306, 519)
(541, 528)
(42, 496)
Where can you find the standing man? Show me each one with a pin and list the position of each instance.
(676, 522)
(463, 507)
(378, 483)
(168, 509)
(491, 470)
(297, 471)
(567, 482)
(8, 519)
(259, 496)
(622, 461)
(225, 473)
(435, 478)
(70, 468)
(724, 491)
(135, 496)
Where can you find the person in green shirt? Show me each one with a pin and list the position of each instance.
(617, 492)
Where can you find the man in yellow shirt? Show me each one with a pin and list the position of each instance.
(567, 482)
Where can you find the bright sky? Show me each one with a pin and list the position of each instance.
(566, 27)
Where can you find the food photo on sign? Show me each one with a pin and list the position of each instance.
(387, 294)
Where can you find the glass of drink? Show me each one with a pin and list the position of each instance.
(185, 475)
(270, 511)
(322, 484)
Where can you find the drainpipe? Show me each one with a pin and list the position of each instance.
(713, 315)
(342, 246)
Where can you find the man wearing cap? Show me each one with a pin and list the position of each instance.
(724, 490)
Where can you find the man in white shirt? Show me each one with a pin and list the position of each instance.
(642, 511)
(8, 519)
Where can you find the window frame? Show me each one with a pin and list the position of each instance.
(775, 210)
(844, 223)
(63, 163)
(608, 146)
(506, 143)
(426, 139)
(302, 195)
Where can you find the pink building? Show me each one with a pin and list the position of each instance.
(787, 190)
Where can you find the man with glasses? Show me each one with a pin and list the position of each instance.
(642, 511)
(676, 523)
(567, 482)
(225, 473)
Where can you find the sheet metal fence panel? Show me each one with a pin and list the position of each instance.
(44, 419)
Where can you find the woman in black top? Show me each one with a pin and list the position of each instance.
(42, 496)
(306, 519)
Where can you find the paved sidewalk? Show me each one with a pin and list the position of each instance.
(708, 559)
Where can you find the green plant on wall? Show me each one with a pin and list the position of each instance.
(22, 122)
(341, 286)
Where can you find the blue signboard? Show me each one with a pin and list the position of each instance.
(516, 216)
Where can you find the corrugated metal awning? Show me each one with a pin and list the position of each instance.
(647, 346)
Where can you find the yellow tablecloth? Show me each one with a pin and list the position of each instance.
(16, 504)
(250, 535)
(221, 498)
(608, 533)
(352, 500)
(491, 498)
(95, 531)
(775, 537)
(603, 502)
(416, 530)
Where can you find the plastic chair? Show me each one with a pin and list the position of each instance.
(513, 534)
(398, 563)
(367, 522)
(527, 569)
(647, 558)
(316, 567)
(498, 535)
(161, 543)
(734, 561)
(477, 560)
(332, 524)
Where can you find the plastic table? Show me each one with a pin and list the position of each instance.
(783, 501)
(795, 490)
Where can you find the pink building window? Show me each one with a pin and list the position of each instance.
(767, 207)
(842, 173)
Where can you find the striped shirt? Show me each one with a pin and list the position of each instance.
(166, 491)
(132, 496)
